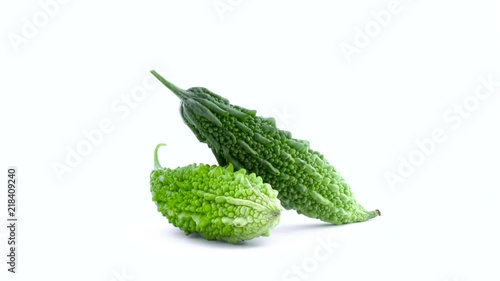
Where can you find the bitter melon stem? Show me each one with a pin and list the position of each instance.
(180, 93)
(157, 163)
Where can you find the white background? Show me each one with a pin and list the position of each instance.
(282, 58)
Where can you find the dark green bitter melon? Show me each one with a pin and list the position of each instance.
(303, 177)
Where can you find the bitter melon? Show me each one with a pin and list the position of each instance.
(215, 202)
(305, 180)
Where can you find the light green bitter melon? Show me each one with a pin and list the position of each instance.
(216, 202)
(303, 177)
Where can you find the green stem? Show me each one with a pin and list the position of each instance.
(157, 163)
(180, 93)
(373, 214)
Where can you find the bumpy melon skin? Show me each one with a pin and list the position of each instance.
(215, 201)
(303, 177)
